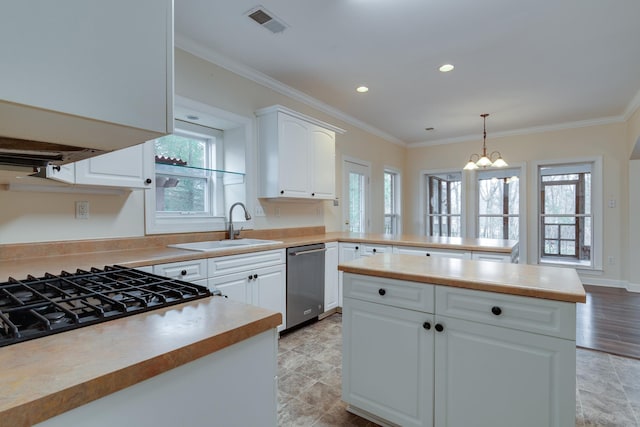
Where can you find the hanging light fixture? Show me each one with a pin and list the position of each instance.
(476, 161)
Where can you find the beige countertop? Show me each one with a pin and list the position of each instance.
(47, 376)
(554, 283)
(36, 259)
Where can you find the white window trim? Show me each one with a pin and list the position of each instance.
(397, 200)
(213, 117)
(597, 212)
(423, 202)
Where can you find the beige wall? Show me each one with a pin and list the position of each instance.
(607, 141)
(205, 82)
(633, 138)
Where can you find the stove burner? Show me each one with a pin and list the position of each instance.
(36, 307)
(23, 295)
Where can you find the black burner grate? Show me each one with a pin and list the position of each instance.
(36, 307)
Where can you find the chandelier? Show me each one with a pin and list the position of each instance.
(476, 161)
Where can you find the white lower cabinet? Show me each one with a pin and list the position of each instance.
(410, 250)
(406, 363)
(255, 278)
(331, 281)
(388, 362)
(194, 271)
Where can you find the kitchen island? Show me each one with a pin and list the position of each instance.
(197, 363)
(451, 342)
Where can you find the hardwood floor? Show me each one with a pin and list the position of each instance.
(609, 321)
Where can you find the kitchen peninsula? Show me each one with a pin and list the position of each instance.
(480, 345)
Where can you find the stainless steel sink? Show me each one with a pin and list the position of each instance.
(218, 245)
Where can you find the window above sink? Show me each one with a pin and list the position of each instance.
(198, 171)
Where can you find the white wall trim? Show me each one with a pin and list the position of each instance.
(632, 107)
(242, 70)
(608, 283)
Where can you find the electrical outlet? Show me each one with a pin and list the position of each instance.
(82, 209)
(259, 210)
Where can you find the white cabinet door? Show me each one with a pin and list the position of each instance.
(64, 173)
(322, 163)
(189, 271)
(347, 252)
(120, 168)
(294, 154)
(235, 286)
(492, 376)
(269, 290)
(387, 366)
(331, 289)
(99, 64)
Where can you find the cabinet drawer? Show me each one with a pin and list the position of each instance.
(236, 263)
(553, 318)
(397, 293)
(410, 250)
(371, 249)
(189, 271)
(488, 256)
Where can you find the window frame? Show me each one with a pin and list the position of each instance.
(596, 211)
(500, 174)
(425, 192)
(396, 202)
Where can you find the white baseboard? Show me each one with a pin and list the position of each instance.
(609, 283)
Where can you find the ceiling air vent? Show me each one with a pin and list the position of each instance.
(267, 19)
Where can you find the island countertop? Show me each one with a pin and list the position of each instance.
(47, 376)
(554, 283)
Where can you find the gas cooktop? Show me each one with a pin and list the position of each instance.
(39, 306)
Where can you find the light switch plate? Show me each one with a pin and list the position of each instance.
(82, 209)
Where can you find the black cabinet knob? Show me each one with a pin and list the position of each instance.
(148, 181)
(382, 291)
(428, 254)
(250, 277)
(496, 310)
(375, 250)
(357, 248)
(439, 327)
(56, 168)
(281, 191)
(255, 276)
(313, 194)
(426, 325)
(183, 272)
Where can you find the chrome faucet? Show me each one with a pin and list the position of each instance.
(233, 233)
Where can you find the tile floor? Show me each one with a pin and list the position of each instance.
(309, 365)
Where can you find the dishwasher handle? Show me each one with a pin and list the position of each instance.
(309, 251)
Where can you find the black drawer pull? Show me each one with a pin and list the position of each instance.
(428, 254)
(250, 277)
(375, 250)
(439, 327)
(183, 272)
(382, 291)
(496, 310)
(255, 276)
(426, 325)
(148, 181)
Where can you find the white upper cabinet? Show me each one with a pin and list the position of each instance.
(88, 73)
(297, 155)
(121, 168)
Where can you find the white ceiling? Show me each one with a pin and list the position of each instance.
(530, 64)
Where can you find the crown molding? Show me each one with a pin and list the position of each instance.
(524, 131)
(632, 107)
(242, 70)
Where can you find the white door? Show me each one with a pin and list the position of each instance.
(269, 290)
(492, 376)
(355, 193)
(388, 362)
(233, 286)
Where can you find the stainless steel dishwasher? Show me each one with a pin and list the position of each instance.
(305, 283)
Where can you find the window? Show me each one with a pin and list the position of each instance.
(391, 202)
(566, 221)
(498, 204)
(443, 211)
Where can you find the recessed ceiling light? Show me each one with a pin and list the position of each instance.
(446, 68)
(362, 89)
